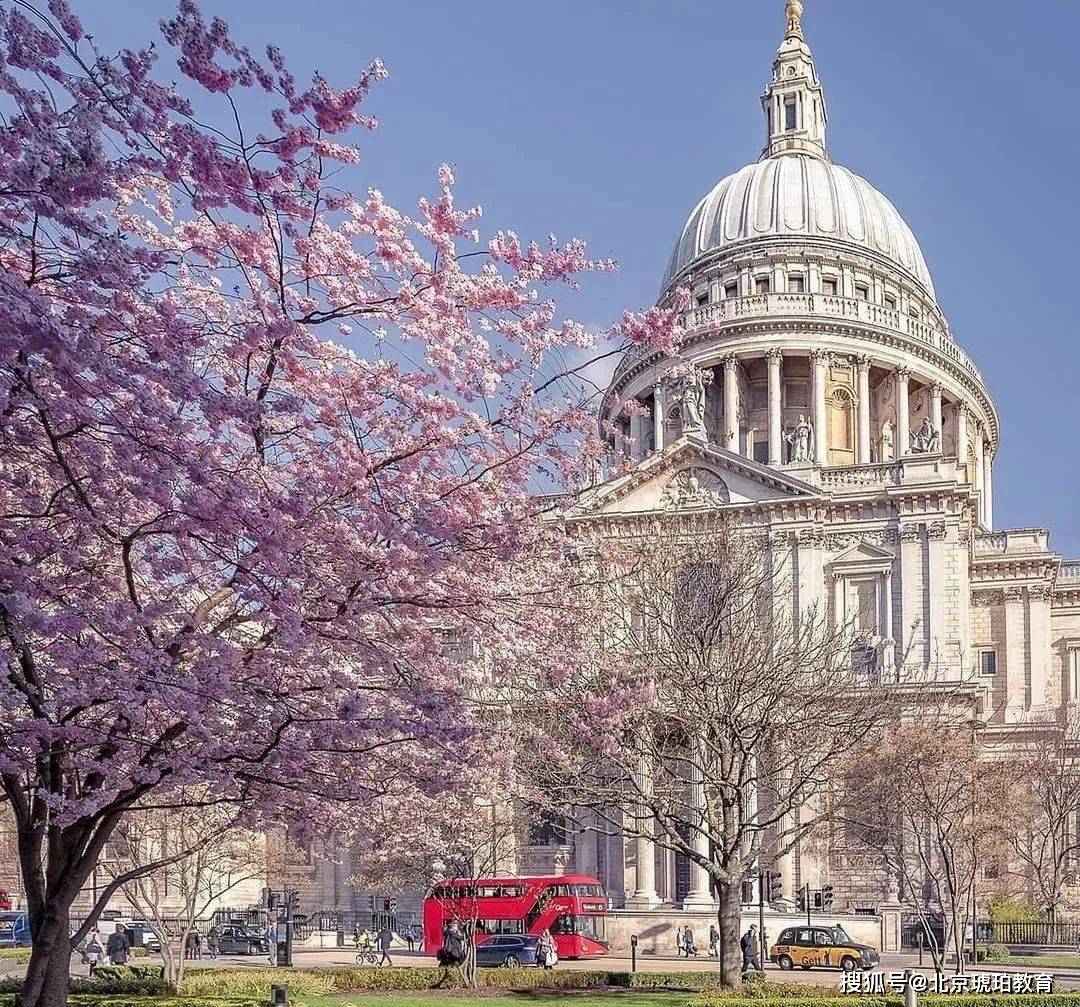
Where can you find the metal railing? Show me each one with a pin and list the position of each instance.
(1035, 934)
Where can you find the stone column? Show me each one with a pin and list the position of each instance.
(645, 895)
(935, 414)
(730, 439)
(962, 438)
(658, 415)
(988, 485)
(863, 371)
(700, 893)
(1038, 597)
(637, 435)
(819, 360)
(776, 434)
(903, 415)
(1015, 670)
(980, 474)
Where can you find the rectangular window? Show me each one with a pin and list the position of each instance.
(796, 284)
(731, 289)
(988, 663)
(862, 291)
(791, 117)
(761, 285)
(702, 300)
(761, 452)
(829, 285)
(890, 301)
(1072, 673)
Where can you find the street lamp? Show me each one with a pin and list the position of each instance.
(976, 726)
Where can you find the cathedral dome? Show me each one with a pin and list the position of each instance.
(797, 196)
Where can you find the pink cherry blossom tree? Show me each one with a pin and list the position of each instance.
(266, 441)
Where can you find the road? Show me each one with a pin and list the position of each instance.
(1064, 979)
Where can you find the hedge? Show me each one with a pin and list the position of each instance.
(135, 980)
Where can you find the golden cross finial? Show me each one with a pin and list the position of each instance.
(794, 17)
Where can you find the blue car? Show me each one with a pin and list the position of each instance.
(507, 950)
(14, 930)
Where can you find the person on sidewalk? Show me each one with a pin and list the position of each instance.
(714, 941)
(749, 945)
(118, 946)
(386, 938)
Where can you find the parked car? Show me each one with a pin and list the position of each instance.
(238, 939)
(5, 899)
(821, 947)
(508, 950)
(142, 935)
(14, 930)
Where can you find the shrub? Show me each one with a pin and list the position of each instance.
(996, 953)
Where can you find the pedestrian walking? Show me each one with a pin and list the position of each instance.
(118, 947)
(410, 937)
(386, 938)
(714, 941)
(749, 946)
(271, 943)
(547, 954)
(212, 942)
(688, 943)
(197, 944)
(94, 952)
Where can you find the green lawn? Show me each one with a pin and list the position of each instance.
(586, 998)
(1047, 961)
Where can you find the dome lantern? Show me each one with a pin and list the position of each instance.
(794, 103)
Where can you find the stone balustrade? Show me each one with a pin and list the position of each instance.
(821, 306)
(1070, 570)
(1012, 542)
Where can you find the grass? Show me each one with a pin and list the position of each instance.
(1047, 961)
(536, 998)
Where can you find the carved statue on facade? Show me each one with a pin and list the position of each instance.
(927, 439)
(801, 441)
(887, 454)
(692, 405)
(695, 488)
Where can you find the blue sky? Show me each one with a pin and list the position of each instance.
(608, 120)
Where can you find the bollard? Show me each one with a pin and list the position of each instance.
(633, 952)
(911, 998)
(919, 937)
(279, 995)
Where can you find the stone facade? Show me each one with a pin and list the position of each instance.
(840, 419)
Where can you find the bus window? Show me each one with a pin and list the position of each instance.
(586, 926)
(500, 926)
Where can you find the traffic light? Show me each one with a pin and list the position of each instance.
(800, 900)
(371, 903)
(826, 896)
(271, 899)
(386, 905)
(817, 899)
(748, 892)
(775, 886)
(293, 898)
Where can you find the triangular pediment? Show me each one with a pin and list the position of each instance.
(864, 555)
(690, 475)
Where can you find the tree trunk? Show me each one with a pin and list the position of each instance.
(729, 922)
(468, 967)
(47, 975)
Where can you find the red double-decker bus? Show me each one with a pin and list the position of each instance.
(572, 906)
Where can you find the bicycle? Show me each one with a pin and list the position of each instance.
(368, 957)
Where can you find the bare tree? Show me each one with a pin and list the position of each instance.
(705, 712)
(1046, 846)
(928, 800)
(458, 837)
(180, 865)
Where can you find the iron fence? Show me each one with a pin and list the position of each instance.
(1035, 934)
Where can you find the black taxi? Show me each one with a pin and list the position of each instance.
(821, 947)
